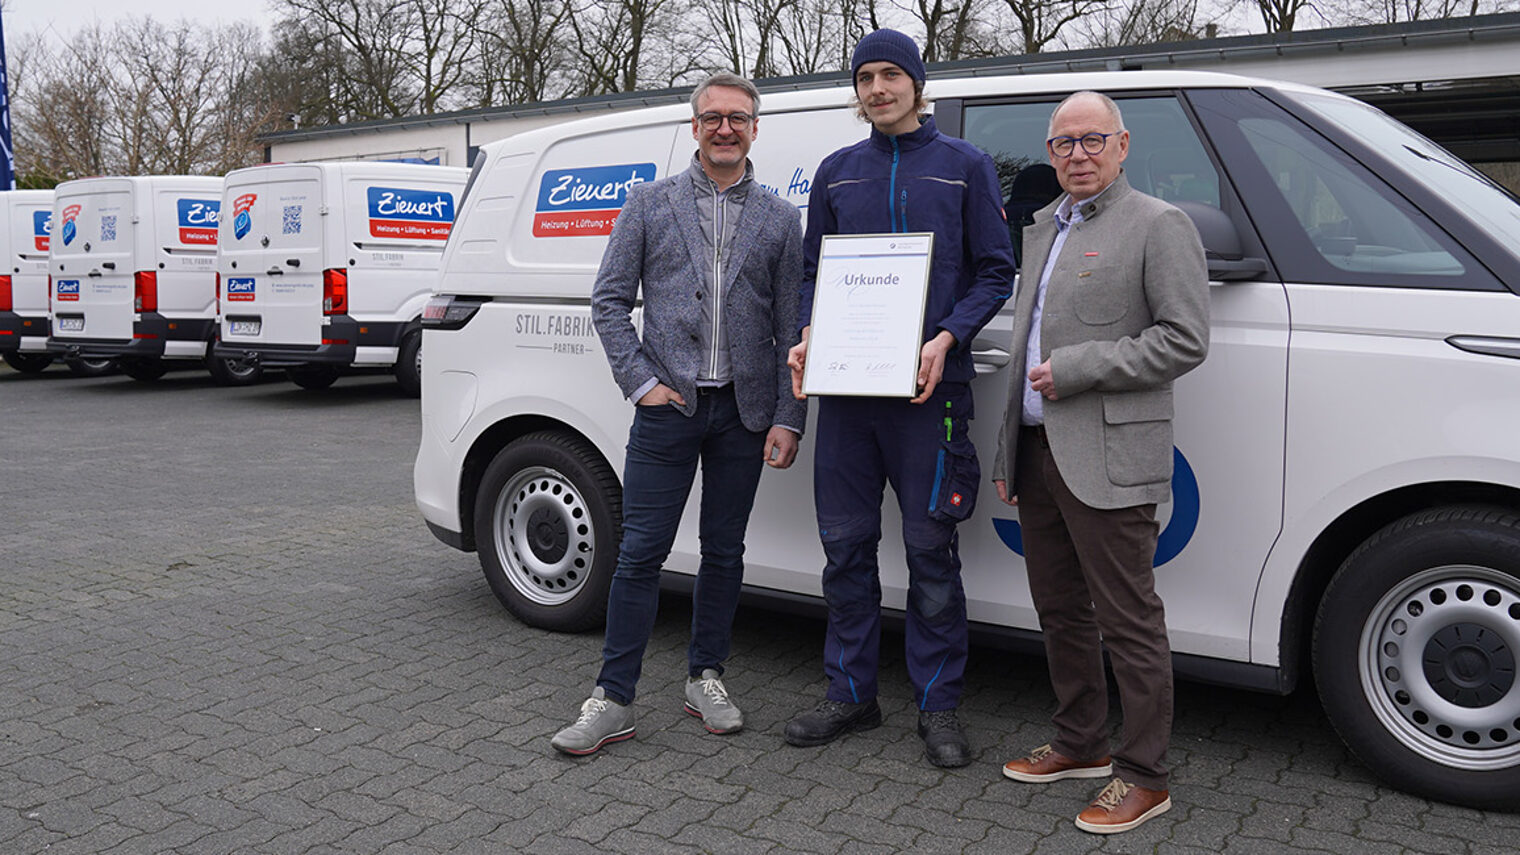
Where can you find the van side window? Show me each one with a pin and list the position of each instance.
(1351, 225)
(1166, 157)
(1325, 217)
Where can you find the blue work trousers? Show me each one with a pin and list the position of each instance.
(863, 445)
(664, 448)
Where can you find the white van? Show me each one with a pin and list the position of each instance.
(1346, 491)
(133, 265)
(328, 265)
(26, 221)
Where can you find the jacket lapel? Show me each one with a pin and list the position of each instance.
(683, 203)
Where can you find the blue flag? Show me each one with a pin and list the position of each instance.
(7, 156)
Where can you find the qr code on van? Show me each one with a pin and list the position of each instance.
(108, 227)
(290, 224)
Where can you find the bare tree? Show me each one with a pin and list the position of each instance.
(524, 52)
(1281, 16)
(161, 100)
(953, 29)
(1040, 22)
(1139, 23)
(1394, 11)
(626, 45)
(810, 35)
(388, 58)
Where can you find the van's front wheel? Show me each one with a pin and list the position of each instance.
(1415, 653)
(548, 519)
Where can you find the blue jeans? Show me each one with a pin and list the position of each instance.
(664, 447)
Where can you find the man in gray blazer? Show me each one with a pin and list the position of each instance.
(1112, 306)
(718, 258)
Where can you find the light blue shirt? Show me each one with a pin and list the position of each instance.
(1034, 402)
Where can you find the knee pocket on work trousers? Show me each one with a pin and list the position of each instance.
(851, 579)
(934, 588)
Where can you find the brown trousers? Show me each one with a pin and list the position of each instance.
(1090, 573)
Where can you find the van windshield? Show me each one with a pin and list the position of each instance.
(1445, 173)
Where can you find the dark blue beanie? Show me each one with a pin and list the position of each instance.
(889, 46)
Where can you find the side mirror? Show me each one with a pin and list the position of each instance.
(1221, 242)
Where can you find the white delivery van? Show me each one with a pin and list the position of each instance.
(133, 266)
(26, 221)
(1346, 489)
(328, 265)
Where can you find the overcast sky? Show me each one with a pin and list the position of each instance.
(64, 16)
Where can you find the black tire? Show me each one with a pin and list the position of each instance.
(548, 520)
(312, 376)
(81, 367)
(28, 363)
(1415, 648)
(234, 372)
(409, 365)
(144, 368)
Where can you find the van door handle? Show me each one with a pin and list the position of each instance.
(292, 262)
(95, 273)
(275, 271)
(988, 358)
(109, 265)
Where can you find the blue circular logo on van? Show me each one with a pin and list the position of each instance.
(1186, 505)
(68, 232)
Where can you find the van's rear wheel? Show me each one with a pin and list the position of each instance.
(28, 363)
(548, 520)
(409, 364)
(1415, 653)
(81, 367)
(312, 376)
(143, 368)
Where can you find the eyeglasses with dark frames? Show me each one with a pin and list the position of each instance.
(713, 121)
(1093, 143)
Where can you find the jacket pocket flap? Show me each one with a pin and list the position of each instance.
(1153, 406)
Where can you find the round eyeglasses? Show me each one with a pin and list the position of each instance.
(713, 121)
(1093, 143)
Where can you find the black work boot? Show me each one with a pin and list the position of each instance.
(830, 720)
(944, 740)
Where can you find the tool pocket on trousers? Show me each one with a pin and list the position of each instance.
(957, 474)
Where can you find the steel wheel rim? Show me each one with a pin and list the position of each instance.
(1436, 665)
(545, 541)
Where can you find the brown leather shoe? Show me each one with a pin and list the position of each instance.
(1045, 764)
(1121, 807)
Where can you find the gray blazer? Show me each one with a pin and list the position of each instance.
(657, 244)
(1126, 313)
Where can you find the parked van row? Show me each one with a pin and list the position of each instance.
(320, 268)
(1346, 487)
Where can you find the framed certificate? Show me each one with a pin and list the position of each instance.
(868, 315)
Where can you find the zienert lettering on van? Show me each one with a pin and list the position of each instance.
(585, 200)
(198, 221)
(400, 213)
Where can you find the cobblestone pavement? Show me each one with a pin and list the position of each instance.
(225, 628)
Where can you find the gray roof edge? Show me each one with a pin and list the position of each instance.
(1470, 28)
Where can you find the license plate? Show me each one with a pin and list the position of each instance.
(245, 327)
(71, 324)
